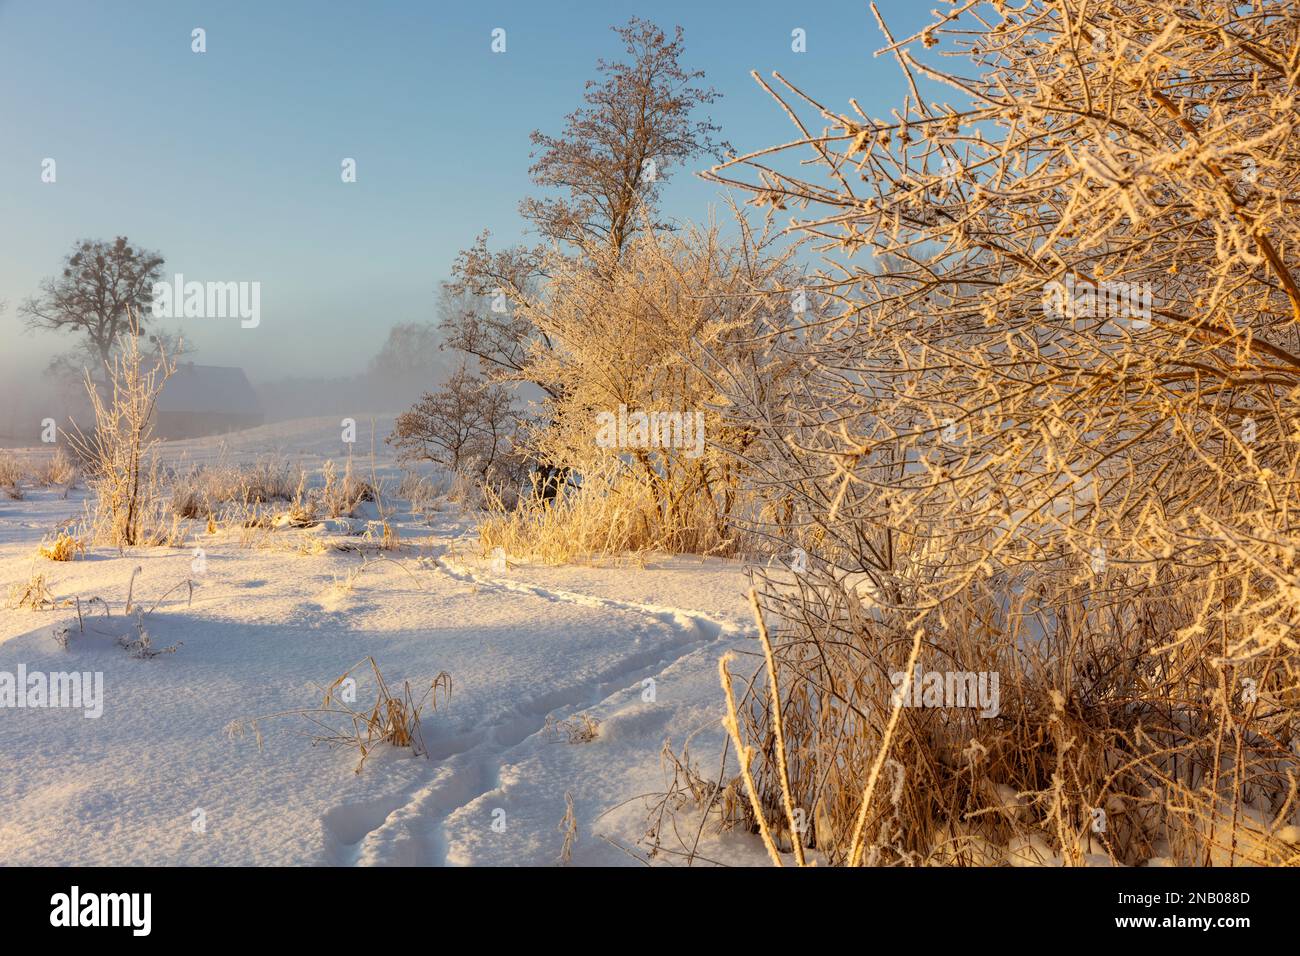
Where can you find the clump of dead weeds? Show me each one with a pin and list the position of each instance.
(393, 718)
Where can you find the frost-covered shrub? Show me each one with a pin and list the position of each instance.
(635, 411)
(1050, 432)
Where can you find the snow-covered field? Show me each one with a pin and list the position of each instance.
(159, 778)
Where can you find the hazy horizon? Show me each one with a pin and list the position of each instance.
(234, 174)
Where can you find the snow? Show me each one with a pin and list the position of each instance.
(159, 779)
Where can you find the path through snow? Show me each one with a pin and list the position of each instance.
(526, 649)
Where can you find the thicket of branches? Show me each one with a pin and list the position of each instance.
(1096, 501)
(465, 426)
(636, 332)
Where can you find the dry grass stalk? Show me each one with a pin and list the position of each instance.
(745, 756)
(579, 729)
(35, 594)
(393, 718)
(12, 473)
(569, 827)
(64, 547)
(778, 731)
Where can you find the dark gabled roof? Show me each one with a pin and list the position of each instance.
(208, 388)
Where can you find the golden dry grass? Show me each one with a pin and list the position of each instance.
(64, 547)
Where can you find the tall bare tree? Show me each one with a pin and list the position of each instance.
(100, 283)
(617, 150)
(603, 173)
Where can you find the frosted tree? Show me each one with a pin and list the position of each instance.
(599, 179)
(678, 313)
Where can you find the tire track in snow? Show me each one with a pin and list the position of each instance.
(408, 828)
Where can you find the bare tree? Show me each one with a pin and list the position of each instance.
(466, 426)
(616, 151)
(100, 283)
(405, 366)
(608, 165)
(410, 351)
(487, 326)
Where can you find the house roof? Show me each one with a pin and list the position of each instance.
(208, 388)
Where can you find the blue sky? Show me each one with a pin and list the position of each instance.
(228, 162)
